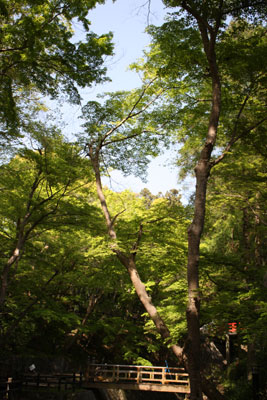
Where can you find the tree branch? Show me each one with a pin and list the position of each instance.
(131, 113)
(115, 217)
(136, 244)
(234, 139)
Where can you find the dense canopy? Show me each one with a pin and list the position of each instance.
(124, 277)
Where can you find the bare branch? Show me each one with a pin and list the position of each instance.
(148, 11)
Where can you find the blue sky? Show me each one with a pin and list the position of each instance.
(128, 19)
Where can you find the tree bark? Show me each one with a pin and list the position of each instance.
(128, 261)
(195, 230)
(202, 171)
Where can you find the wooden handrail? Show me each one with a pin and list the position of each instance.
(137, 374)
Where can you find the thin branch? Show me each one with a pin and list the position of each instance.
(5, 235)
(234, 139)
(148, 12)
(240, 112)
(123, 138)
(13, 49)
(131, 113)
(52, 196)
(44, 215)
(197, 100)
(157, 219)
(33, 189)
(115, 217)
(136, 244)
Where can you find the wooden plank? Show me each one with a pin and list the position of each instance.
(136, 386)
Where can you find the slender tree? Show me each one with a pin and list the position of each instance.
(205, 23)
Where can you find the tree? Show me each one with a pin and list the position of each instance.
(61, 290)
(189, 54)
(41, 178)
(124, 330)
(106, 127)
(39, 56)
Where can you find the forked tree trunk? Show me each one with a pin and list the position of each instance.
(128, 261)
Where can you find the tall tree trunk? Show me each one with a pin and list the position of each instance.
(202, 171)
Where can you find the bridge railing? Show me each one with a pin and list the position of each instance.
(137, 374)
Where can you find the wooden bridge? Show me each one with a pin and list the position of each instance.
(105, 376)
(135, 377)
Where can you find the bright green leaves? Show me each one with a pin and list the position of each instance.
(121, 132)
(178, 59)
(47, 211)
(157, 232)
(39, 54)
(176, 50)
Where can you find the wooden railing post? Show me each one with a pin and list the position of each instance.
(138, 375)
(163, 376)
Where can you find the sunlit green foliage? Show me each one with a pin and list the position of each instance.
(176, 57)
(40, 55)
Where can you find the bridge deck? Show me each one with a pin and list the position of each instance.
(135, 377)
